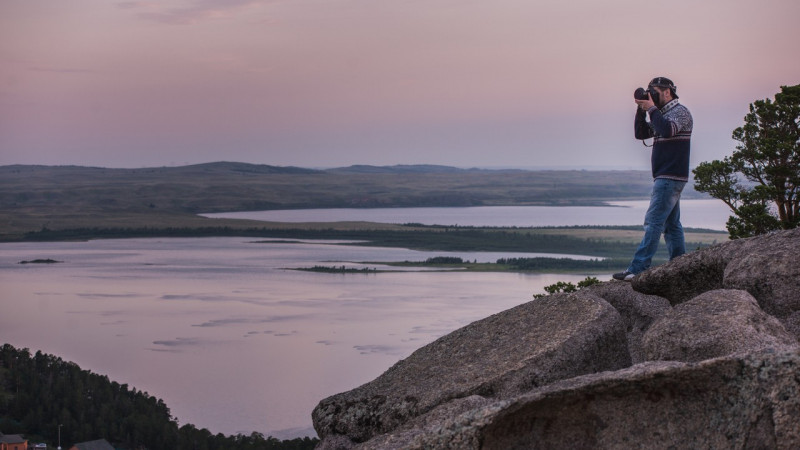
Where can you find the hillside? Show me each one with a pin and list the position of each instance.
(38, 392)
(61, 197)
(238, 187)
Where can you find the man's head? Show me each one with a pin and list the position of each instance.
(664, 89)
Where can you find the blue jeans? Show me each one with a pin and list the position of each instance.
(663, 216)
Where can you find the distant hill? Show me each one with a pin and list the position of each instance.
(39, 391)
(413, 168)
(213, 167)
(221, 167)
(58, 197)
(231, 186)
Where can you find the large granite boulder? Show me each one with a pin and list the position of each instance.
(502, 356)
(744, 402)
(717, 323)
(770, 271)
(713, 336)
(766, 266)
(638, 312)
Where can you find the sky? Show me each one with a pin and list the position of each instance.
(329, 83)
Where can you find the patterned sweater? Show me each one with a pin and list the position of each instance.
(671, 126)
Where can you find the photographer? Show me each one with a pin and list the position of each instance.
(670, 126)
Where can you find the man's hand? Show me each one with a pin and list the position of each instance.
(645, 104)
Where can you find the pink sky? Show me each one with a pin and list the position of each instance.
(331, 83)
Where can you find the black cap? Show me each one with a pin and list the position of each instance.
(664, 82)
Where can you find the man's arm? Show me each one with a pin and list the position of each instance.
(662, 126)
(641, 129)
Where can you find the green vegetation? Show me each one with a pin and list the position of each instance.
(38, 392)
(222, 187)
(564, 264)
(768, 157)
(567, 287)
(617, 243)
(541, 265)
(39, 203)
(66, 197)
(444, 260)
(340, 269)
(611, 245)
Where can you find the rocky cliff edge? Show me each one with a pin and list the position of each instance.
(701, 352)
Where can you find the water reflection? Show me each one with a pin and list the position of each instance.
(223, 334)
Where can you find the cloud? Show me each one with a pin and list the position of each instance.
(134, 5)
(186, 297)
(60, 70)
(269, 333)
(104, 295)
(192, 13)
(249, 320)
(179, 342)
(177, 345)
(293, 332)
(101, 313)
(212, 298)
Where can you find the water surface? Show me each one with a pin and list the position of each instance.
(234, 342)
(711, 214)
(223, 334)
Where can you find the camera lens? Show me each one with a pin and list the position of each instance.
(640, 94)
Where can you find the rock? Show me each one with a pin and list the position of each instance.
(417, 427)
(792, 324)
(638, 312)
(335, 442)
(717, 331)
(733, 402)
(713, 324)
(699, 271)
(770, 271)
(504, 355)
(765, 266)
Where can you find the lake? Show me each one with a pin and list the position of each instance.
(226, 337)
(234, 342)
(707, 213)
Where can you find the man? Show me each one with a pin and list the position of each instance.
(671, 127)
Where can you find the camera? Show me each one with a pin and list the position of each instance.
(642, 93)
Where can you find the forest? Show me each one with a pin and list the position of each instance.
(39, 392)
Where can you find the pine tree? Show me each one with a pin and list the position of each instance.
(768, 157)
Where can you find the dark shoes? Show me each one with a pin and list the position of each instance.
(624, 276)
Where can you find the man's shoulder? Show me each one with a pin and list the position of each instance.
(679, 110)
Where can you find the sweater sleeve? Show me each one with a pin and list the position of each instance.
(662, 126)
(641, 129)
